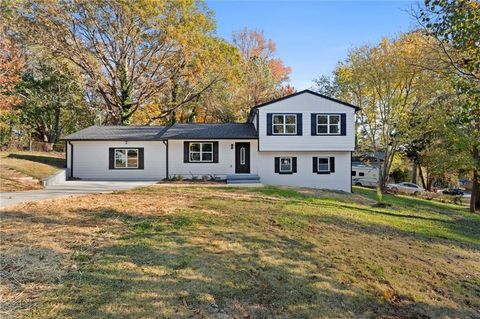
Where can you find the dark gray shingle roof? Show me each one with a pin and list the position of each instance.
(176, 131)
(205, 131)
(143, 133)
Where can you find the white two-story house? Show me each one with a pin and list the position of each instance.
(304, 139)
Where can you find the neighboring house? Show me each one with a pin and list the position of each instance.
(304, 139)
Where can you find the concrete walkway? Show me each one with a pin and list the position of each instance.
(68, 188)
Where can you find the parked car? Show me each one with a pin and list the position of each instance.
(407, 188)
(453, 191)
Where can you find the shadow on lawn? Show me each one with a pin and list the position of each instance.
(176, 270)
(54, 161)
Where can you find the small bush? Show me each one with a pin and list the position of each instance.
(379, 195)
(180, 177)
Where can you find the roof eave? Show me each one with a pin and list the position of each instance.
(301, 92)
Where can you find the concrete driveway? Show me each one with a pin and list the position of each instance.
(68, 188)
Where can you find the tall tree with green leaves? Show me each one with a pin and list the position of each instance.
(456, 27)
(53, 101)
(382, 82)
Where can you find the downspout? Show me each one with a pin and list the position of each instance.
(71, 159)
(350, 175)
(66, 154)
(165, 142)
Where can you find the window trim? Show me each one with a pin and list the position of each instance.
(318, 165)
(201, 152)
(284, 124)
(280, 164)
(126, 154)
(339, 125)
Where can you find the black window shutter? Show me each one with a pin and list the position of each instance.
(269, 124)
(140, 159)
(215, 152)
(277, 164)
(313, 124)
(332, 164)
(111, 158)
(315, 164)
(343, 124)
(186, 158)
(299, 124)
(294, 164)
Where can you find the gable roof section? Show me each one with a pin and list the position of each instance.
(298, 93)
(211, 131)
(111, 133)
(159, 133)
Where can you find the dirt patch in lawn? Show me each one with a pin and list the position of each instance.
(199, 252)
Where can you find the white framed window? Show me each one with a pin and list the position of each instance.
(126, 158)
(328, 124)
(323, 164)
(200, 152)
(284, 124)
(285, 165)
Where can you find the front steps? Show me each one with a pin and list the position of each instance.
(243, 179)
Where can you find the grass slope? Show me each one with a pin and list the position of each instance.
(34, 164)
(271, 252)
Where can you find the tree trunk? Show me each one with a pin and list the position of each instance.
(380, 173)
(475, 199)
(429, 181)
(414, 172)
(48, 147)
(420, 172)
(56, 125)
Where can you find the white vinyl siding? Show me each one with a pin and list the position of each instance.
(224, 167)
(306, 104)
(304, 176)
(91, 160)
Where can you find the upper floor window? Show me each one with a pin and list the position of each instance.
(201, 152)
(328, 124)
(284, 124)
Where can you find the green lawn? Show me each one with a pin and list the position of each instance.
(179, 252)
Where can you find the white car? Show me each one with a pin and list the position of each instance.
(406, 188)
